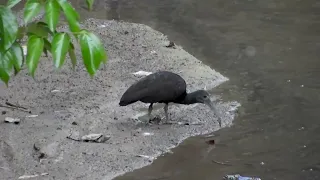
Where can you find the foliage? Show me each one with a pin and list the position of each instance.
(43, 37)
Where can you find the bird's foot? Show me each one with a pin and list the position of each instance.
(155, 120)
(220, 122)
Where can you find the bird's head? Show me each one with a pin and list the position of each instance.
(202, 96)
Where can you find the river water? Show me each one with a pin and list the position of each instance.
(270, 50)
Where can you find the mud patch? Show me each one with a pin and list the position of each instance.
(68, 102)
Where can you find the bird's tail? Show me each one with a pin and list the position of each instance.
(123, 103)
(126, 102)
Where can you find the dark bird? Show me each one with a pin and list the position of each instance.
(164, 87)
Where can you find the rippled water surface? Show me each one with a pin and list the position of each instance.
(270, 50)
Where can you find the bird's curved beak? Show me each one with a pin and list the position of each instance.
(209, 103)
(214, 109)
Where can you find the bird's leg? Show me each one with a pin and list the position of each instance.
(166, 112)
(149, 112)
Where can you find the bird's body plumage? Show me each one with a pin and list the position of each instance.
(164, 87)
(159, 87)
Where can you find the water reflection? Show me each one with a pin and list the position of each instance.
(269, 49)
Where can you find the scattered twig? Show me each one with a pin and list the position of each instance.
(12, 106)
(32, 176)
(222, 163)
(97, 138)
(183, 123)
(69, 137)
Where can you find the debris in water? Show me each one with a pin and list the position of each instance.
(210, 142)
(12, 120)
(32, 176)
(302, 85)
(142, 73)
(239, 177)
(221, 163)
(250, 51)
(97, 138)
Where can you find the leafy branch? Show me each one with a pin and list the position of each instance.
(42, 37)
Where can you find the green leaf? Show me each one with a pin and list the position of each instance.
(71, 15)
(40, 29)
(8, 28)
(89, 4)
(15, 56)
(4, 76)
(12, 3)
(72, 56)
(92, 51)
(35, 48)
(5, 68)
(31, 9)
(52, 14)
(60, 46)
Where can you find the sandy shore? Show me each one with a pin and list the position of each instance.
(71, 103)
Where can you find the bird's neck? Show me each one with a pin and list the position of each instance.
(190, 98)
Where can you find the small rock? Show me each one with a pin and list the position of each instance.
(12, 120)
(55, 90)
(99, 138)
(4, 112)
(74, 123)
(171, 45)
(148, 134)
(142, 73)
(32, 116)
(150, 158)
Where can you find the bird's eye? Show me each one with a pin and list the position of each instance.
(205, 96)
